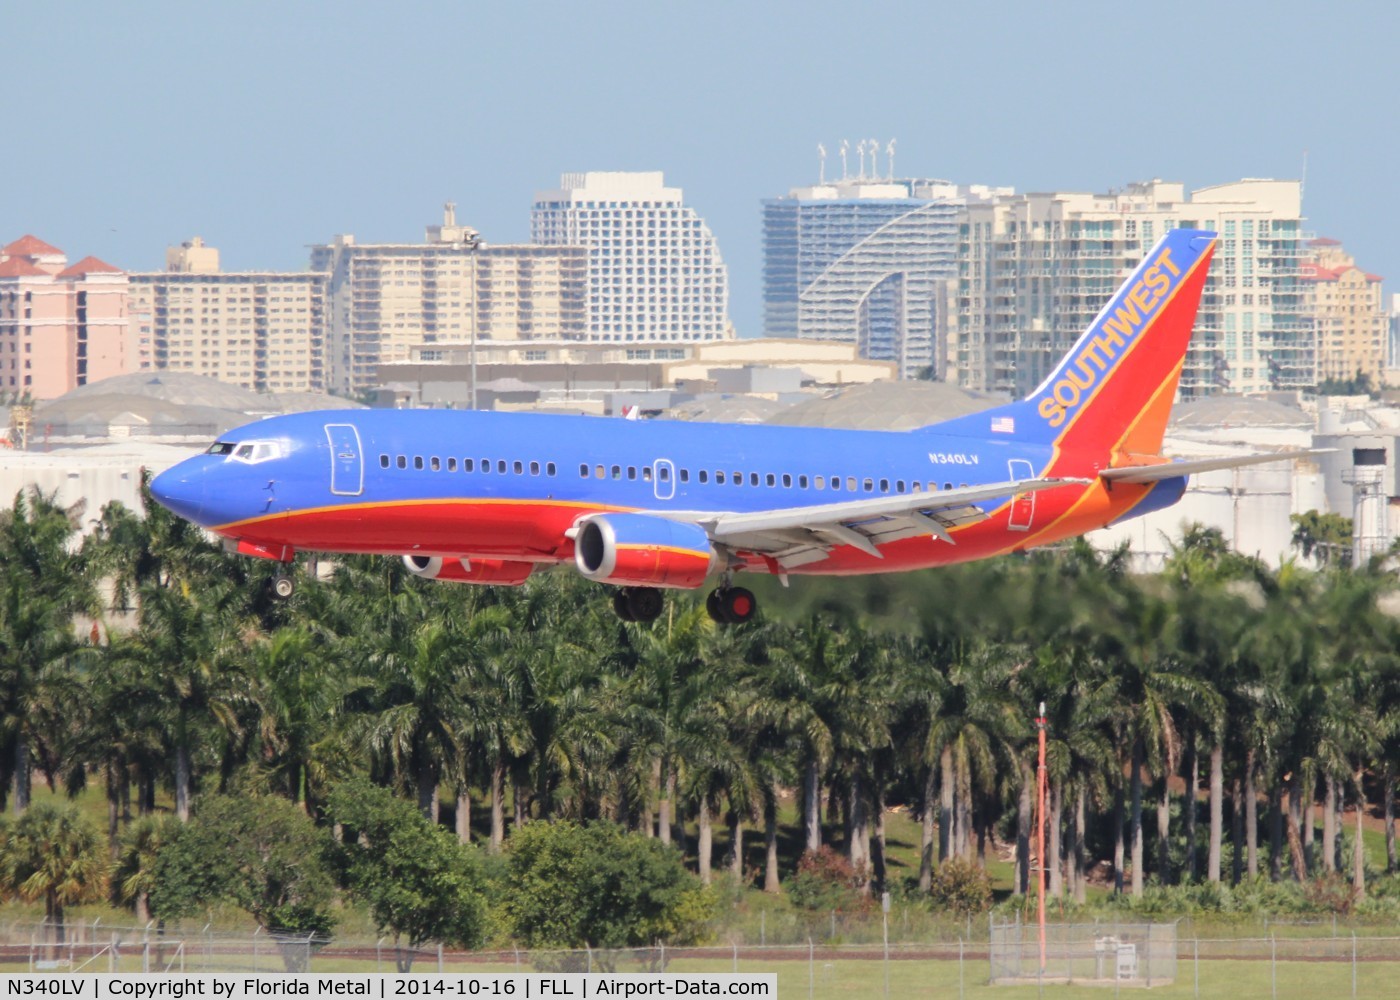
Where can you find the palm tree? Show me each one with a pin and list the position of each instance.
(54, 854)
(134, 873)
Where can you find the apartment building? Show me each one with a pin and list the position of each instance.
(1348, 308)
(61, 325)
(262, 330)
(654, 268)
(385, 298)
(866, 261)
(1035, 269)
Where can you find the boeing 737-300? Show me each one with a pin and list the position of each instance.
(486, 498)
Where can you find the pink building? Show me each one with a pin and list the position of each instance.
(61, 326)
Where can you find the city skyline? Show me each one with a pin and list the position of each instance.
(289, 127)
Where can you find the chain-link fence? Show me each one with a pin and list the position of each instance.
(1299, 961)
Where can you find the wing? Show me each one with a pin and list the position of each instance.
(1171, 470)
(796, 536)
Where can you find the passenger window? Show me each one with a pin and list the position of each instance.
(835, 482)
(402, 462)
(916, 486)
(467, 465)
(600, 472)
(819, 482)
(383, 461)
(962, 486)
(947, 486)
(534, 468)
(787, 480)
(485, 465)
(899, 485)
(646, 473)
(550, 469)
(617, 472)
(631, 472)
(719, 477)
(851, 483)
(884, 486)
(519, 468)
(418, 462)
(451, 465)
(771, 479)
(753, 479)
(436, 463)
(501, 466)
(738, 479)
(684, 473)
(869, 486)
(583, 471)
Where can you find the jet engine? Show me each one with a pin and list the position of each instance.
(639, 550)
(496, 572)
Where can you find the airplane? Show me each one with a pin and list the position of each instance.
(649, 505)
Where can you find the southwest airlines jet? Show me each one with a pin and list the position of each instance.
(481, 497)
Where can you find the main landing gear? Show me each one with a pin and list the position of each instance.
(638, 604)
(731, 605)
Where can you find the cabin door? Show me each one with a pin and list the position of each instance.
(347, 460)
(1022, 504)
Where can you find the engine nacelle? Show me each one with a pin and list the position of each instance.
(496, 572)
(639, 550)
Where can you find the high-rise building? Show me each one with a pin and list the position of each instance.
(865, 261)
(61, 325)
(1348, 307)
(1035, 269)
(1393, 350)
(654, 268)
(384, 298)
(263, 330)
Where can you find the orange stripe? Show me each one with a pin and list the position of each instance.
(437, 502)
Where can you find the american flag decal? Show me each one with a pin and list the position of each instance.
(1003, 425)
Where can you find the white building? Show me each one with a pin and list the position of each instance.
(654, 269)
(1035, 269)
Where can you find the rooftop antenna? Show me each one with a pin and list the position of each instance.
(860, 154)
(845, 146)
(821, 160)
(874, 151)
(889, 158)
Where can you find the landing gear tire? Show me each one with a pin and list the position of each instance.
(643, 604)
(620, 607)
(282, 586)
(731, 605)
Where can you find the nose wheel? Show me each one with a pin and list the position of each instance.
(282, 586)
(638, 604)
(731, 605)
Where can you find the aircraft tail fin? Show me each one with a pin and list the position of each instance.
(1113, 392)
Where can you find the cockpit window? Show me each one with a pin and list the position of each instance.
(221, 448)
(253, 452)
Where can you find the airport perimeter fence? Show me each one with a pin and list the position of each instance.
(1309, 963)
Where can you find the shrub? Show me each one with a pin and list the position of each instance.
(962, 887)
(827, 881)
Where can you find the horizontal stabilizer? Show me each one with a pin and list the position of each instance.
(1172, 470)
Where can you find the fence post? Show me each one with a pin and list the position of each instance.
(439, 957)
(763, 927)
(960, 969)
(811, 968)
(1196, 962)
(735, 945)
(1353, 965)
(590, 957)
(1273, 966)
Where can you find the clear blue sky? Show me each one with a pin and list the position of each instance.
(267, 126)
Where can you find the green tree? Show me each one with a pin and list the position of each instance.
(597, 886)
(53, 853)
(135, 871)
(1328, 536)
(258, 853)
(418, 881)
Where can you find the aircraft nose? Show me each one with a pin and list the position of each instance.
(181, 490)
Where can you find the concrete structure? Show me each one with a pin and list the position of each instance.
(61, 325)
(654, 268)
(1035, 269)
(263, 330)
(385, 298)
(572, 374)
(1348, 307)
(866, 261)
